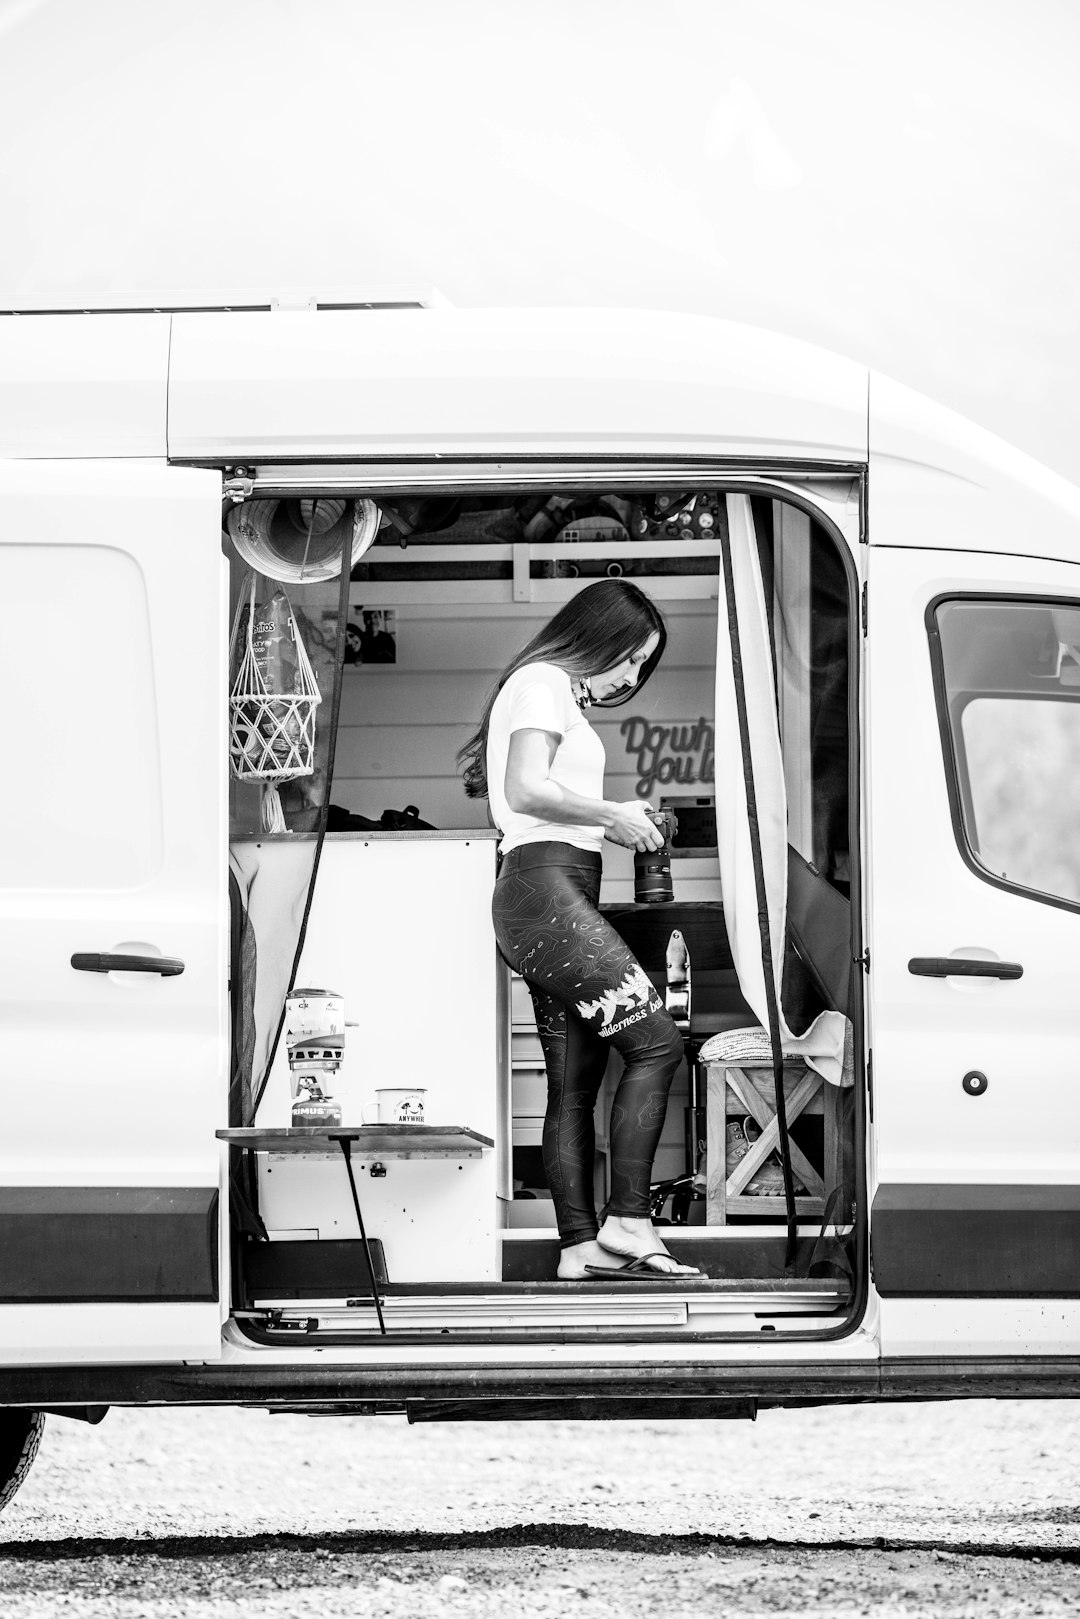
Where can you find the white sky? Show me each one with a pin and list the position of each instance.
(897, 181)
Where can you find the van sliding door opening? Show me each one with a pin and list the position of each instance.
(453, 585)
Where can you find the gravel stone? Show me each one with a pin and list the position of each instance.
(968, 1509)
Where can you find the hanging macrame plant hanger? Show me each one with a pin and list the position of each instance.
(271, 730)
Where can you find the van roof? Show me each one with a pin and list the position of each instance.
(411, 378)
(472, 382)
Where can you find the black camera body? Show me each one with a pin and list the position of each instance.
(652, 871)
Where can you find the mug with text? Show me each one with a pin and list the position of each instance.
(403, 1105)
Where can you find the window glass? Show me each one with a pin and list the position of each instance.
(1013, 712)
(1023, 766)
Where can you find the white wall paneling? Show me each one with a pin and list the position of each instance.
(402, 723)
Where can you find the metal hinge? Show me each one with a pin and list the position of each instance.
(863, 961)
(865, 607)
(239, 486)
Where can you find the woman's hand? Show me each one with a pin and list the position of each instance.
(629, 825)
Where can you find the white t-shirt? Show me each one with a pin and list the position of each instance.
(539, 697)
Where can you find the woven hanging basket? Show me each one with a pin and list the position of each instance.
(274, 693)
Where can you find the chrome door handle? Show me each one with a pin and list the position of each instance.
(167, 966)
(962, 967)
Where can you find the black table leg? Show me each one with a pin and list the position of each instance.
(345, 1142)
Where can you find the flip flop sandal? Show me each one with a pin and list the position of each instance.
(639, 1270)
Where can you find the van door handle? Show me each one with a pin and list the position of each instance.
(962, 967)
(167, 966)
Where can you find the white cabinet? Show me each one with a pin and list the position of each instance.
(528, 1076)
(401, 926)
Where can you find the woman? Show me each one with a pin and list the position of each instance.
(541, 764)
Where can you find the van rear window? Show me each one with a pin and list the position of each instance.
(1008, 679)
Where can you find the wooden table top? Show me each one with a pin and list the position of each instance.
(366, 1140)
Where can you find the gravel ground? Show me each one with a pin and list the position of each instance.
(968, 1508)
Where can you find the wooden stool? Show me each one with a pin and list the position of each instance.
(740, 1084)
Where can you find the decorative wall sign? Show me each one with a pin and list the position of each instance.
(680, 754)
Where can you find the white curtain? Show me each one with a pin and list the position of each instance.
(822, 1046)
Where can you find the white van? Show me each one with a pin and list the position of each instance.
(167, 1235)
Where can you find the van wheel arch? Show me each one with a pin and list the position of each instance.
(20, 1436)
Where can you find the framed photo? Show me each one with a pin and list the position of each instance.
(371, 635)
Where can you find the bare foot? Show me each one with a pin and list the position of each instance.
(573, 1260)
(622, 1238)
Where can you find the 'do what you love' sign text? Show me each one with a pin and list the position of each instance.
(679, 755)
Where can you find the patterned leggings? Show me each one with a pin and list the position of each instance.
(589, 994)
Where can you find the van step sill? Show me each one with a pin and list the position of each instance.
(557, 1306)
(771, 1287)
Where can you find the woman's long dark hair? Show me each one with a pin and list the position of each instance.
(597, 629)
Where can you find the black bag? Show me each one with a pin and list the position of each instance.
(406, 820)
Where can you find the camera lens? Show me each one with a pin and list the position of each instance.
(652, 871)
(652, 878)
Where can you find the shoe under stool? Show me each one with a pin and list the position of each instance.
(739, 1084)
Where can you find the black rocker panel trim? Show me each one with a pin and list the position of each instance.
(976, 1241)
(309, 1380)
(108, 1244)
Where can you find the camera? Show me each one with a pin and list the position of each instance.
(652, 870)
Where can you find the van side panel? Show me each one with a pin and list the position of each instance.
(83, 385)
(113, 842)
(940, 482)
(976, 1118)
(940, 1332)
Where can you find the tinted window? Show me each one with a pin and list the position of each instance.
(1011, 684)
